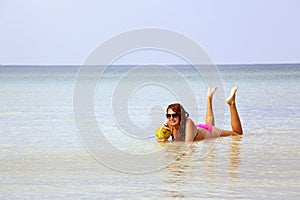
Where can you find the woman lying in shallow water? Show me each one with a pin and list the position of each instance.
(184, 129)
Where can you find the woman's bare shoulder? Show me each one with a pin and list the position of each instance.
(189, 121)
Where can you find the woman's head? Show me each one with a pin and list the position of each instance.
(176, 115)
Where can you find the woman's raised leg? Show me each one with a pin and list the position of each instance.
(209, 119)
(234, 116)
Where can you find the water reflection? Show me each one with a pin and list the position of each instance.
(190, 173)
(234, 164)
(234, 156)
(208, 162)
(179, 171)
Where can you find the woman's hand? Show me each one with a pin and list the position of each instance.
(166, 124)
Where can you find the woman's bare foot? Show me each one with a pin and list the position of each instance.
(231, 98)
(211, 91)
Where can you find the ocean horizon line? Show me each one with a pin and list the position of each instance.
(78, 65)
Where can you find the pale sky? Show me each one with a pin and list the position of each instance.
(65, 32)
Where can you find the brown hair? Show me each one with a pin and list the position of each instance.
(183, 115)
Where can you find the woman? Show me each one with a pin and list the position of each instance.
(184, 129)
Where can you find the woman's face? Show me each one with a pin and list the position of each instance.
(172, 117)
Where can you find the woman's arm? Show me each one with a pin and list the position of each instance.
(190, 130)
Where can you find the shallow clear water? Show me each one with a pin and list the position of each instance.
(43, 155)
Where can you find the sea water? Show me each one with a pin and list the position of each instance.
(45, 154)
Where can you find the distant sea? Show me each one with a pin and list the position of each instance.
(44, 154)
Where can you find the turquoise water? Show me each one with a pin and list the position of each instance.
(43, 154)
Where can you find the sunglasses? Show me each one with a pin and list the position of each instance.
(171, 115)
